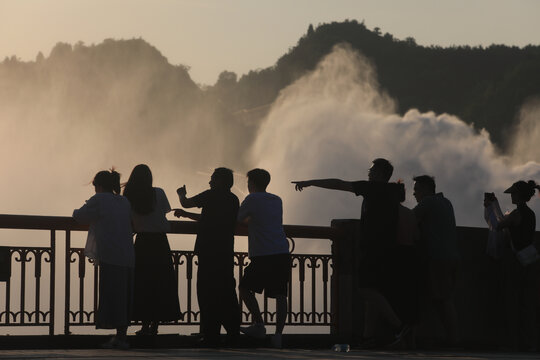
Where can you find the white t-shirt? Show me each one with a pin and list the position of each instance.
(156, 220)
(265, 227)
(110, 239)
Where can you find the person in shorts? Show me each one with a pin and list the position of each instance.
(268, 250)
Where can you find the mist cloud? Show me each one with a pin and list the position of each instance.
(84, 109)
(58, 130)
(527, 137)
(334, 121)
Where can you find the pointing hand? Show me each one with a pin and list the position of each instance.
(300, 185)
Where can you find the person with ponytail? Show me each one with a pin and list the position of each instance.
(110, 245)
(156, 286)
(521, 280)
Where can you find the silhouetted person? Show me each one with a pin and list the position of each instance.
(495, 249)
(438, 242)
(156, 286)
(270, 267)
(521, 280)
(379, 221)
(110, 244)
(403, 293)
(214, 247)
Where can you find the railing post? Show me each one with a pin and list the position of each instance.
(345, 306)
(68, 283)
(52, 282)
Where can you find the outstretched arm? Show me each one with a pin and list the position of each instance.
(88, 213)
(183, 213)
(333, 184)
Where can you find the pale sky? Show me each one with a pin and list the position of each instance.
(210, 36)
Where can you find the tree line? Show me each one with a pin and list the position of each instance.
(484, 86)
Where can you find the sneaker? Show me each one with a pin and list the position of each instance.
(209, 342)
(146, 332)
(115, 343)
(276, 341)
(122, 345)
(401, 332)
(257, 331)
(109, 344)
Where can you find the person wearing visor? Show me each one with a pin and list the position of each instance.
(520, 279)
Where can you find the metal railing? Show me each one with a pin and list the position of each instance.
(309, 288)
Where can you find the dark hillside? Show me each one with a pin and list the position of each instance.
(484, 86)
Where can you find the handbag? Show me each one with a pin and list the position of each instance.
(528, 255)
(90, 249)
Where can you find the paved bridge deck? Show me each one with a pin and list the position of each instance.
(172, 346)
(258, 353)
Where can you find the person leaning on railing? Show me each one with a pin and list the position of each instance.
(214, 247)
(110, 244)
(268, 249)
(156, 287)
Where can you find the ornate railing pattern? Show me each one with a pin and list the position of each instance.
(38, 314)
(309, 288)
(304, 308)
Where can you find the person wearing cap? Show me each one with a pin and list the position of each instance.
(521, 282)
(438, 246)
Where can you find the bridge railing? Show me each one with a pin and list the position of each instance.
(53, 286)
(29, 301)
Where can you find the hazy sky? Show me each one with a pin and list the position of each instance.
(241, 35)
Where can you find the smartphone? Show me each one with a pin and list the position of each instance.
(489, 196)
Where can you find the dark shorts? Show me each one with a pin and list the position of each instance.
(270, 273)
(442, 279)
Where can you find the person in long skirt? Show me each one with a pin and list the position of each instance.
(110, 244)
(156, 286)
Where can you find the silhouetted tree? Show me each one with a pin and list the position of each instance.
(226, 80)
(482, 86)
(310, 30)
(40, 57)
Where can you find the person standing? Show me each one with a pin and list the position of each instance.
(520, 278)
(438, 246)
(379, 227)
(214, 247)
(403, 292)
(110, 244)
(268, 250)
(156, 285)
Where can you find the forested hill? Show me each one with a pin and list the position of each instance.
(132, 80)
(484, 86)
(82, 78)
